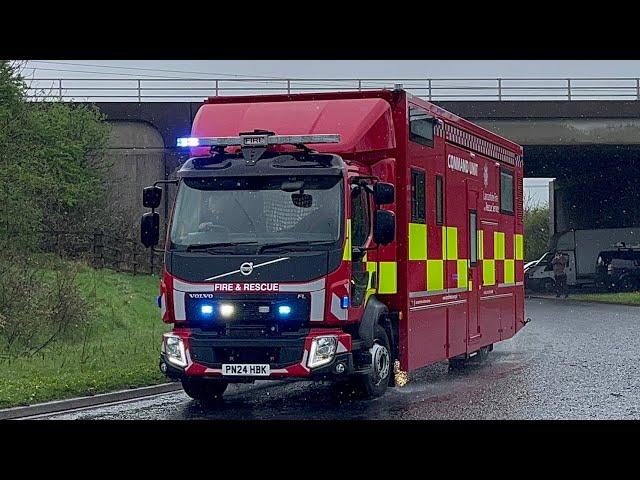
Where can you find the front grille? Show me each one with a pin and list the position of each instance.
(213, 351)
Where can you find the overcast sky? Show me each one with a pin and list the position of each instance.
(345, 68)
(535, 188)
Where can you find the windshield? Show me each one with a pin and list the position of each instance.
(546, 258)
(257, 210)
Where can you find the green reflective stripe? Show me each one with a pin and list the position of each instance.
(488, 272)
(417, 241)
(346, 254)
(452, 243)
(435, 275)
(372, 267)
(519, 246)
(498, 245)
(462, 273)
(480, 244)
(509, 271)
(387, 281)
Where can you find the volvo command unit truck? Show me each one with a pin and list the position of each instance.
(352, 236)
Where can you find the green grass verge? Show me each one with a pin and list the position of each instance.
(119, 351)
(629, 298)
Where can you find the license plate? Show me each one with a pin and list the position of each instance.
(246, 369)
(254, 140)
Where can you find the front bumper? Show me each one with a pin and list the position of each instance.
(287, 356)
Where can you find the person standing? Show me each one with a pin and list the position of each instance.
(559, 263)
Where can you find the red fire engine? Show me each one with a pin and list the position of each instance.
(337, 236)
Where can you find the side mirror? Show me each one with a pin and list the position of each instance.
(150, 229)
(384, 193)
(151, 197)
(384, 228)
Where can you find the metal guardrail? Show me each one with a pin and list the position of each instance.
(196, 89)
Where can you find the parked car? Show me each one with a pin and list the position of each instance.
(619, 269)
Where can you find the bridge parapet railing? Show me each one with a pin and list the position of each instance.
(436, 89)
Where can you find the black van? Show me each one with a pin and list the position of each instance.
(619, 269)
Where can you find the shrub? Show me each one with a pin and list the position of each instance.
(39, 305)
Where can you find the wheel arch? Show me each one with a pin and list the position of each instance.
(377, 312)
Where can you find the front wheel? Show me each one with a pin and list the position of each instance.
(204, 390)
(376, 382)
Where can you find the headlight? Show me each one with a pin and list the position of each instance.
(322, 351)
(174, 350)
(226, 310)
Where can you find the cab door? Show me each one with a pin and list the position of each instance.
(360, 233)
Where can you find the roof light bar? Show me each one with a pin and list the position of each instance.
(188, 142)
(256, 140)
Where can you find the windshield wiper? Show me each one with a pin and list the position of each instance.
(297, 242)
(213, 246)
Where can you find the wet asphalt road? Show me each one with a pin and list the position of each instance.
(574, 360)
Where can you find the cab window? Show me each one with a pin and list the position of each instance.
(417, 196)
(506, 191)
(360, 220)
(421, 126)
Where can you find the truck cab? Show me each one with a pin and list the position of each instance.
(539, 275)
(270, 261)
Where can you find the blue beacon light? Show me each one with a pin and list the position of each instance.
(188, 142)
(344, 302)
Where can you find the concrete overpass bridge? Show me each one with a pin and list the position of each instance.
(588, 138)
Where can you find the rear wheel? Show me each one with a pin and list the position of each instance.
(376, 382)
(204, 390)
(458, 363)
(483, 353)
(628, 284)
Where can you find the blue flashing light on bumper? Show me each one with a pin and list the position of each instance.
(344, 302)
(284, 310)
(206, 309)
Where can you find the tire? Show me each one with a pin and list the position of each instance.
(628, 284)
(459, 363)
(375, 383)
(483, 353)
(204, 391)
